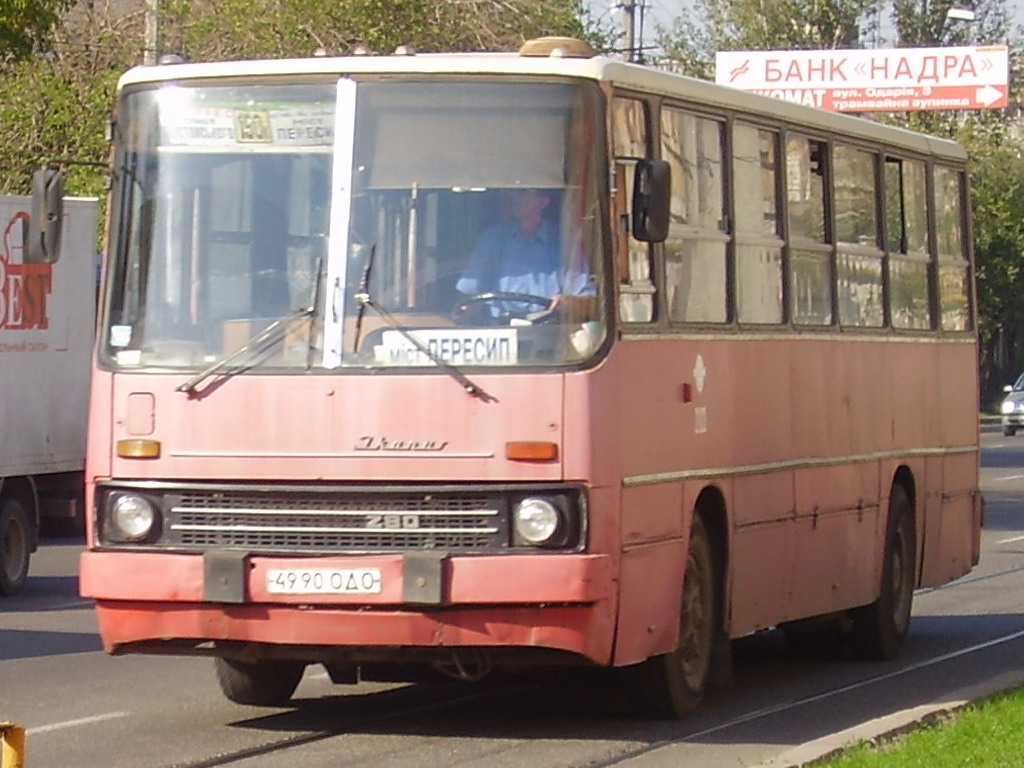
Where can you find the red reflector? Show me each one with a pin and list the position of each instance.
(527, 450)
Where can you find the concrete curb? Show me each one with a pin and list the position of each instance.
(882, 729)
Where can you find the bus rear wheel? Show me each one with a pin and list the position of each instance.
(15, 547)
(265, 683)
(879, 629)
(671, 686)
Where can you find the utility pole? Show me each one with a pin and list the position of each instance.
(633, 42)
(152, 46)
(629, 28)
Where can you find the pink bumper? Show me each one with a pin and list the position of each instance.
(562, 602)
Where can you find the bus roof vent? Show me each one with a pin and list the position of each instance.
(558, 47)
(168, 59)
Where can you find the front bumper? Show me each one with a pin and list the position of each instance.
(560, 602)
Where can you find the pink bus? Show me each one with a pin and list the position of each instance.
(419, 364)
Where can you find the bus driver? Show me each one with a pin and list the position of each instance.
(522, 255)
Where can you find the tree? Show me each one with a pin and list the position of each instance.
(26, 24)
(743, 25)
(234, 29)
(54, 106)
(925, 23)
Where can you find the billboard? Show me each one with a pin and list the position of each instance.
(874, 80)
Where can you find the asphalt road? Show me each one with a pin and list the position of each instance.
(84, 708)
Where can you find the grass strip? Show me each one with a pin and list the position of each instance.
(986, 735)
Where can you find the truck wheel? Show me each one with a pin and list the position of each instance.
(266, 683)
(671, 686)
(15, 547)
(879, 629)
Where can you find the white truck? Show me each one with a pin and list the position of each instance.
(47, 319)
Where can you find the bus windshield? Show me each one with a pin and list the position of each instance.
(317, 218)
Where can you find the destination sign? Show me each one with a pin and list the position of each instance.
(455, 346)
(227, 127)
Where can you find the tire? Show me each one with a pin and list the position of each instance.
(879, 629)
(1009, 431)
(266, 683)
(671, 686)
(15, 547)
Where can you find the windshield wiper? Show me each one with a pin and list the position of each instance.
(265, 339)
(366, 300)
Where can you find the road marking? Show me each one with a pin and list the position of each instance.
(1010, 540)
(76, 723)
(70, 605)
(1007, 478)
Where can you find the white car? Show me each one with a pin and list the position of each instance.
(1013, 407)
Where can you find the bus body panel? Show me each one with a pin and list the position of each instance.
(773, 463)
(338, 428)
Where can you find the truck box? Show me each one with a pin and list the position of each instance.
(47, 321)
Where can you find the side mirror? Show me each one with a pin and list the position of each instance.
(47, 216)
(652, 192)
(1008, 388)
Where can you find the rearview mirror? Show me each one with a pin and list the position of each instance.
(652, 188)
(47, 216)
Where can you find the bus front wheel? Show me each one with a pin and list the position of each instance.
(265, 683)
(879, 629)
(15, 547)
(672, 685)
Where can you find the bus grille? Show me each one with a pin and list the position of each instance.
(333, 522)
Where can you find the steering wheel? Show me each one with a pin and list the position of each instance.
(463, 309)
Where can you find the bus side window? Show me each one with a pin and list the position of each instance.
(859, 256)
(951, 249)
(810, 247)
(633, 263)
(696, 274)
(759, 244)
(909, 263)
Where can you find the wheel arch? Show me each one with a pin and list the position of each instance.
(904, 478)
(711, 507)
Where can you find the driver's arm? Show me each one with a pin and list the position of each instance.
(479, 275)
(574, 308)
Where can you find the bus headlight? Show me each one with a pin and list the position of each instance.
(131, 518)
(537, 522)
(1009, 406)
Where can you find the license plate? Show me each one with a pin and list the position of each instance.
(323, 581)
